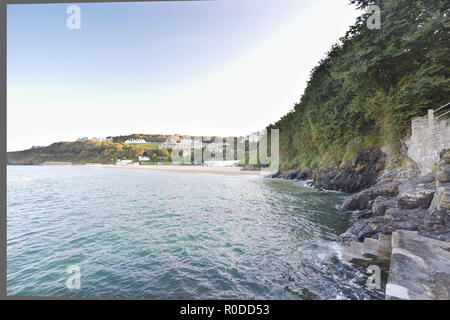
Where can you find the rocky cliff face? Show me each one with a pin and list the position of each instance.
(361, 173)
(401, 200)
(387, 200)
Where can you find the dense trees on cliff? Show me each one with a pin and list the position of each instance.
(370, 84)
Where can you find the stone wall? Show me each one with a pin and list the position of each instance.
(429, 136)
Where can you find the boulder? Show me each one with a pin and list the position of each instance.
(367, 228)
(417, 193)
(290, 175)
(359, 201)
(386, 190)
(408, 172)
(381, 204)
(417, 197)
(437, 222)
(441, 200)
(413, 218)
(274, 175)
(443, 173)
(445, 156)
(305, 175)
(394, 219)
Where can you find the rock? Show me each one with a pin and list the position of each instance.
(381, 204)
(367, 228)
(417, 193)
(445, 156)
(361, 173)
(274, 175)
(305, 175)
(386, 190)
(418, 197)
(415, 216)
(290, 175)
(397, 202)
(359, 201)
(408, 172)
(394, 219)
(441, 200)
(443, 173)
(437, 222)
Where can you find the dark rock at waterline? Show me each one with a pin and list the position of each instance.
(290, 175)
(397, 203)
(274, 175)
(361, 173)
(293, 175)
(394, 219)
(359, 201)
(366, 228)
(362, 200)
(305, 175)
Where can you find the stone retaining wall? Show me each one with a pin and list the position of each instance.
(430, 135)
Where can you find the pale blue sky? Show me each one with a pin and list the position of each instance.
(223, 67)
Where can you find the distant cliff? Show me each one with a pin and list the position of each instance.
(88, 151)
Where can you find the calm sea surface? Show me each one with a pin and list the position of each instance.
(146, 234)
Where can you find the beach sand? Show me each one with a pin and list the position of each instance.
(186, 169)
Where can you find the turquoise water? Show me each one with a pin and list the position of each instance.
(146, 234)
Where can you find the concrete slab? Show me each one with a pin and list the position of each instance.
(354, 253)
(370, 248)
(419, 268)
(384, 246)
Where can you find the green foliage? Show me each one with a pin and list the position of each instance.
(147, 145)
(87, 152)
(370, 84)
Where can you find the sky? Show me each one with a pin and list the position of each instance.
(211, 68)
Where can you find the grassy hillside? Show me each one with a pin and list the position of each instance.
(86, 152)
(369, 85)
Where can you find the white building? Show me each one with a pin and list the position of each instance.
(135, 141)
(123, 163)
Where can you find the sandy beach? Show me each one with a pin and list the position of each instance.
(185, 169)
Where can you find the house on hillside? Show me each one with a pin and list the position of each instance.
(135, 141)
(143, 158)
